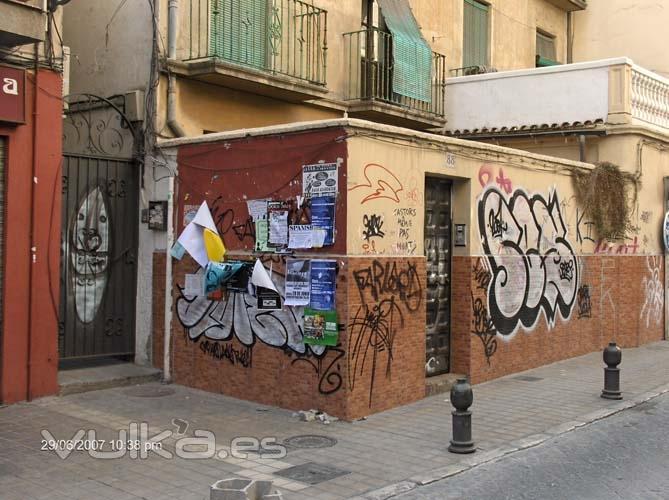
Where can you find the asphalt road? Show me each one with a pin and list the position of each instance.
(625, 456)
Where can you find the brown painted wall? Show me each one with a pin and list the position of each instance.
(32, 325)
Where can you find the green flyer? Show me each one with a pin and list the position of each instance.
(320, 327)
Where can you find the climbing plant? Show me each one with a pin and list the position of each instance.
(608, 195)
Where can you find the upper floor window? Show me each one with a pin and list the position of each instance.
(545, 53)
(475, 34)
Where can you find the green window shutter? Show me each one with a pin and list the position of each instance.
(545, 53)
(475, 34)
(412, 56)
(239, 31)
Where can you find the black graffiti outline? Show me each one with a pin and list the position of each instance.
(483, 328)
(220, 350)
(386, 279)
(526, 316)
(331, 374)
(245, 230)
(373, 226)
(584, 304)
(481, 275)
(372, 328)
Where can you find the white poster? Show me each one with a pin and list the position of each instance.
(319, 180)
(298, 282)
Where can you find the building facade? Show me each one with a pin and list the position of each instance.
(202, 66)
(30, 185)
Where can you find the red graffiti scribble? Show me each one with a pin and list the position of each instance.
(504, 182)
(603, 247)
(485, 171)
(487, 174)
(382, 182)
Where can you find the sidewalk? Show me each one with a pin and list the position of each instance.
(402, 447)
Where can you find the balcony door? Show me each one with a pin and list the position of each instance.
(240, 31)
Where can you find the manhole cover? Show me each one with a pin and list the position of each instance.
(311, 473)
(149, 391)
(310, 441)
(527, 378)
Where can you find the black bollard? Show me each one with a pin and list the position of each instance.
(462, 398)
(612, 357)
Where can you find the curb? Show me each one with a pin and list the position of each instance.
(514, 446)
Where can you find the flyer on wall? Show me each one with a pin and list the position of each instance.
(298, 288)
(323, 284)
(320, 327)
(319, 180)
(323, 216)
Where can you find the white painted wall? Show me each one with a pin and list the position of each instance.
(559, 94)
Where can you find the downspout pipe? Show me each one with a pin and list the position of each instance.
(177, 130)
(172, 23)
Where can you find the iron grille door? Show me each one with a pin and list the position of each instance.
(438, 265)
(98, 260)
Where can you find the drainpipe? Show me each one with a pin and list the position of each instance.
(177, 130)
(167, 371)
(172, 23)
(570, 37)
(581, 147)
(33, 246)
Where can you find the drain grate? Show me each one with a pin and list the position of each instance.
(310, 441)
(527, 378)
(149, 391)
(311, 473)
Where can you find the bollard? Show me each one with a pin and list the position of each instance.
(462, 398)
(612, 357)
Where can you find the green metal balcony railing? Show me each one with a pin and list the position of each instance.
(369, 65)
(283, 37)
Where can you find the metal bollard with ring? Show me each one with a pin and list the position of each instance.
(612, 357)
(462, 398)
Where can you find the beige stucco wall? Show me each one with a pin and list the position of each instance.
(396, 180)
(201, 107)
(632, 28)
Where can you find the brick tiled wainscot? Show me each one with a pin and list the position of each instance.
(617, 301)
(378, 364)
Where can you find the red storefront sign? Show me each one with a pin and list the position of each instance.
(12, 95)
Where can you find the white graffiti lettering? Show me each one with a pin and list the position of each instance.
(534, 268)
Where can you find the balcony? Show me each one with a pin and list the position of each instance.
(570, 5)
(591, 95)
(21, 22)
(370, 86)
(276, 48)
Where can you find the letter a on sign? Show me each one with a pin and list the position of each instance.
(12, 95)
(10, 86)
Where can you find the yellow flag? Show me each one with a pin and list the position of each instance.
(214, 245)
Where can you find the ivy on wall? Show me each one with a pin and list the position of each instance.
(608, 196)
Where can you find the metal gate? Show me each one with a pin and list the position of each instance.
(99, 231)
(438, 265)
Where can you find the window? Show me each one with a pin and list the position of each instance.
(475, 31)
(239, 31)
(545, 53)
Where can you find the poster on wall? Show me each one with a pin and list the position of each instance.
(323, 217)
(262, 232)
(278, 223)
(323, 284)
(298, 287)
(320, 327)
(319, 180)
(300, 236)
